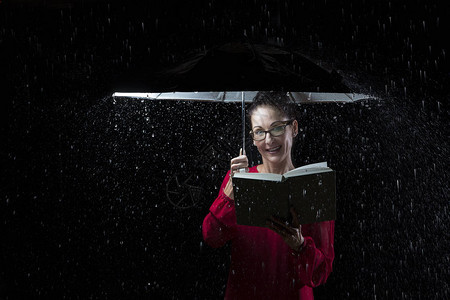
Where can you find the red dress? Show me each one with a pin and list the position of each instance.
(263, 266)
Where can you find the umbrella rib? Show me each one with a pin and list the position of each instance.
(291, 97)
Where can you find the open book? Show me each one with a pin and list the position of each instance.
(310, 189)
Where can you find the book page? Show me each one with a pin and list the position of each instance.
(308, 169)
(323, 164)
(259, 176)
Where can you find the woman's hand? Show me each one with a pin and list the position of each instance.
(292, 235)
(237, 163)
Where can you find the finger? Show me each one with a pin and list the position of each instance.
(287, 227)
(240, 158)
(282, 226)
(274, 228)
(295, 221)
(240, 152)
(243, 162)
(279, 221)
(238, 166)
(240, 163)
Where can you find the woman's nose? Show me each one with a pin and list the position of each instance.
(269, 138)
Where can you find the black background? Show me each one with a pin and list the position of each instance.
(85, 209)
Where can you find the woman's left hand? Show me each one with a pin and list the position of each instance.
(291, 234)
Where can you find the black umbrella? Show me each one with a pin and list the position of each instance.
(233, 72)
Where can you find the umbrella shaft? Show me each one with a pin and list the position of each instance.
(243, 130)
(243, 122)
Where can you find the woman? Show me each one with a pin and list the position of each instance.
(283, 261)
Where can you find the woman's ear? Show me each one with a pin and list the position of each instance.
(294, 128)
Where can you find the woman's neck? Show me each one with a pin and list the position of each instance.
(279, 168)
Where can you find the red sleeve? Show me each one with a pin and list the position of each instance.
(219, 226)
(314, 261)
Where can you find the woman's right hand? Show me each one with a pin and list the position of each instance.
(237, 163)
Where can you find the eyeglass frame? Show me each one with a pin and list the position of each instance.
(286, 123)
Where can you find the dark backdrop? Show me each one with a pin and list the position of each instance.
(104, 198)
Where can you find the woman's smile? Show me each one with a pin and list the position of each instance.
(274, 150)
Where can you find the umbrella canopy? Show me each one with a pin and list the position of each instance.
(237, 66)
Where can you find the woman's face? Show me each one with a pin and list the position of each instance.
(276, 150)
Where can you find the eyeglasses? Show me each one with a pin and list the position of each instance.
(259, 134)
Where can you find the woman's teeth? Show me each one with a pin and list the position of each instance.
(274, 149)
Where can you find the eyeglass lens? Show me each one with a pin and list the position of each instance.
(276, 131)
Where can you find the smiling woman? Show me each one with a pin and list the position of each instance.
(282, 261)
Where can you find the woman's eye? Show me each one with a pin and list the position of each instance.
(259, 132)
(277, 129)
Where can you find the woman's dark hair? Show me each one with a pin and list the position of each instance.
(278, 100)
